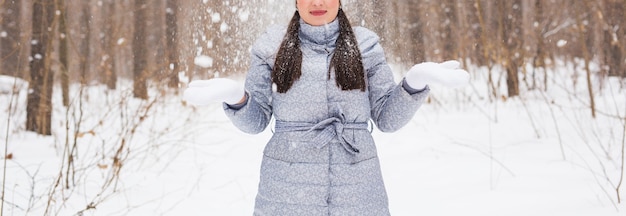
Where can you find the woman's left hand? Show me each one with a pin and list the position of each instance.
(448, 74)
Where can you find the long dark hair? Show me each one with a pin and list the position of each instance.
(346, 60)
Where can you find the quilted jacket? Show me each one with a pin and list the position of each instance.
(321, 159)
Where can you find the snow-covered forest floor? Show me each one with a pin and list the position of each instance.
(464, 153)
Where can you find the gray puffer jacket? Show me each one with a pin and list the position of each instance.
(321, 159)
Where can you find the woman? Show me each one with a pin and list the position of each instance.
(322, 81)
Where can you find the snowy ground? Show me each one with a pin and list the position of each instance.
(461, 155)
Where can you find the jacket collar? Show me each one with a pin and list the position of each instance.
(319, 35)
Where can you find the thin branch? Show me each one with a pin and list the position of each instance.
(6, 141)
(566, 24)
(530, 117)
(621, 178)
(556, 123)
(488, 155)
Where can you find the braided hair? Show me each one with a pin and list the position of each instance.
(346, 60)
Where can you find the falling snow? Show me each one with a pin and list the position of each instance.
(216, 17)
(203, 61)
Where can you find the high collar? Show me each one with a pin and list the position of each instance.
(320, 35)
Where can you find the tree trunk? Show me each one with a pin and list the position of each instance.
(140, 88)
(473, 28)
(221, 51)
(416, 33)
(539, 61)
(488, 50)
(85, 50)
(39, 102)
(63, 34)
(172, 45)
(110, 75)
(583, 37)
(614, 28)
(10, 48)
(512, 36)
(450, 23)
(483, 47)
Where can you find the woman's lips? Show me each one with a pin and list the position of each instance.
(318, 12)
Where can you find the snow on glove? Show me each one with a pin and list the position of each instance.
(447, 74)
(216, 90)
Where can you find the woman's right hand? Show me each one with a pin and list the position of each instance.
(216, 90)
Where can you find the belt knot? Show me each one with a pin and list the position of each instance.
(331, 128)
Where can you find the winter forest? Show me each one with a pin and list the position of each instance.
(93, 123)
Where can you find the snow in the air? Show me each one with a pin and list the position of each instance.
(462, 154)
(465, 152)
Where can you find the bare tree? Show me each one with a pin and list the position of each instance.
(109, 41)
(416, 33)
(409, 32)
(10, 48)
(482, 39)
(85, 45)
(582, 19)
(449, 23)
(63, 49)
(489, 50)
(172, 11)
(140, 89)
(539, 59)
(157, 65)
(39, 105)
(613, 31)
(469, 33)
(511, 18)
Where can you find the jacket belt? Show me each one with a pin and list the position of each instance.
(331, 128)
